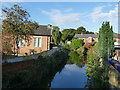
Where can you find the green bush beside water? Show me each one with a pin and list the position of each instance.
(95, 71)
(40, 74)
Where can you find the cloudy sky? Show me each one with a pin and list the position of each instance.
(72, 14)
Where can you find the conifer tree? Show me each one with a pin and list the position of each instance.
(106, 41)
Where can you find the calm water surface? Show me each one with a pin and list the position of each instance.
(71, 76)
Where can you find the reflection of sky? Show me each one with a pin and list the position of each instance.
(71, 77)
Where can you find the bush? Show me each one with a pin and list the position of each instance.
(76, 43)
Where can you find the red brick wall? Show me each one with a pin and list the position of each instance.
(89, 40)
(45, 45)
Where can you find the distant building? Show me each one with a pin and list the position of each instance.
(88, 38)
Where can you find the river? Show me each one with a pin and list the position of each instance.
(71, 76)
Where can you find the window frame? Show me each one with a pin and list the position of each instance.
(38, 41)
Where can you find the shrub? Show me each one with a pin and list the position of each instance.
(76, 43)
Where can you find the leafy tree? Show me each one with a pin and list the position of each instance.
(17, 24)
(106, 41)
(56, 35)
(67, 34)
(81, 30)
(77, 43)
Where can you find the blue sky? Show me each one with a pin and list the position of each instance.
(72, 14)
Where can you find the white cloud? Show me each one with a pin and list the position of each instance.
(68, 10)
(111, 15)
(62, 19)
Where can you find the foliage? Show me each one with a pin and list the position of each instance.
(80, 51)
(17, 24)
(56, 35)
(106, 41)
(6, 44)
(43, 71)
(94, 71)
(76, 58)
(67, 34)
(76, 43)
(82, 30)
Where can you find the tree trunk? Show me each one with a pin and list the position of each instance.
(17, 46)
(14, 47)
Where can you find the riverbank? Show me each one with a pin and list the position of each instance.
(42, 67)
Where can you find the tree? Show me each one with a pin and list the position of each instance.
(77, 43)
(17, 24)
(106, 45)
(67, 34)
(106, 41)
(56, 35)
(81, 30)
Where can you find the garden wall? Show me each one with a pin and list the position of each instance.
(22, 63)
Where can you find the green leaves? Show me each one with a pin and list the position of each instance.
(17, 23)
(56, 35)
(76, 43)
(106, 41)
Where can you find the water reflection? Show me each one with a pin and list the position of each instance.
(71, 77)
(75, 58)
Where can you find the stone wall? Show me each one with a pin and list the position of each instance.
(114, 77)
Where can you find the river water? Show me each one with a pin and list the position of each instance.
(71, 76)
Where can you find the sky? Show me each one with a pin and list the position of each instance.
(67, 15)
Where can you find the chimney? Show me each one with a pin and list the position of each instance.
(81, 33)
(49, 26)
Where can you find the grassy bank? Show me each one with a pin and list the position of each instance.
(35, 76)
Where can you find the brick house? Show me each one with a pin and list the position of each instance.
(40, 41)
(88, 38)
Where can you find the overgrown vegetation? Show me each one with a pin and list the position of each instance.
(77, 43)
(42, 70)
(95, 70)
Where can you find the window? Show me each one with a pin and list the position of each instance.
(21, 42)
(37, 41)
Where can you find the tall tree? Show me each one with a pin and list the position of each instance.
(67, 34)
(56, 35)
(106, 41)
(17, 24)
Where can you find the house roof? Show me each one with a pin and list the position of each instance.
(86, 35)
(93, 35)
(42, 30)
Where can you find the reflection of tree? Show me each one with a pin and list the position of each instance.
(75, 57)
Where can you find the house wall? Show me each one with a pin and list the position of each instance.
(89, 39)
(45, 45)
